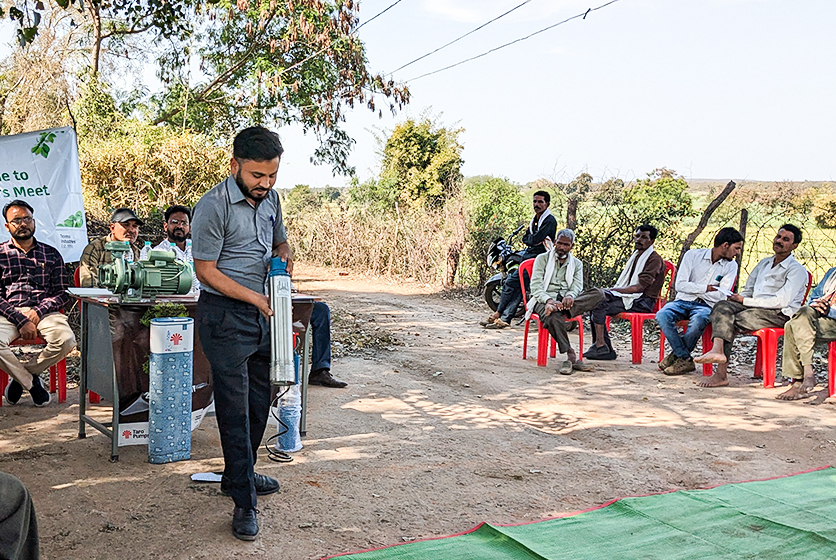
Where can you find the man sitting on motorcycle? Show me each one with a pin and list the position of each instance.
(557, 295)
(543, 225)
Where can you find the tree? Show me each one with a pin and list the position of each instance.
(295, 61)
(272, 62)
(424, 161)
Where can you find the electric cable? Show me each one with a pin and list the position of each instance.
(460, 37)
(582, 16)
(323, 49)
(272, 453)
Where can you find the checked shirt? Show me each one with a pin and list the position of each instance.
(37, 279)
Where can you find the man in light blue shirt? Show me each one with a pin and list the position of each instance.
(705, 277)
(814, 323)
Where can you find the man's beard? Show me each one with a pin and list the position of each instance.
(24, 236)
(239, 180)
(177, 235)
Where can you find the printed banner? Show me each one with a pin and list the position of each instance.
(42, 169)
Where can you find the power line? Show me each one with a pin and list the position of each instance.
(581, 15)
(323, 49)
(395, 3)
(460, 38)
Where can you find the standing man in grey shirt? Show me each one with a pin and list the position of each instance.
(237, 228)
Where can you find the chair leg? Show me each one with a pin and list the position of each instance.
(525, 338)
(707, 344)
(542, 346)
(759, 359)
(770, 357)
(553, 347)
(661, 345)
(637, 334)
(62, 380)
(53, 379)
(831, 369)
(94, 398)
(580, 337)
(4, 380)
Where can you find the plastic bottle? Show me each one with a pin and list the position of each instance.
(143, 255)
(195, 283)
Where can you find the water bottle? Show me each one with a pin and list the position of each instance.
(143, 255)
(190, 260)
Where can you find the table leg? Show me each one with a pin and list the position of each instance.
(306, 364)
(114, 426)
(82, 383)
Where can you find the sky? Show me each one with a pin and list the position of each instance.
(715, 89)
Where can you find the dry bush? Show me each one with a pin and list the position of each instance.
(35, 82)
(414, 244)
(148, 169)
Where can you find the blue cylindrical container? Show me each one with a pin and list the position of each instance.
(170, 390)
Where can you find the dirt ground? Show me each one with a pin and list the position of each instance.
(443, 426)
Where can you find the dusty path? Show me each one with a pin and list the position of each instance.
(444, 430)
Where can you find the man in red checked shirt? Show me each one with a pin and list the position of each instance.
(33, 281)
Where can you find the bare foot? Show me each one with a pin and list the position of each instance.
(714, 381)
(798, 390)
(711, 358)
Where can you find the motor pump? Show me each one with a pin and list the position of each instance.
(160, 275)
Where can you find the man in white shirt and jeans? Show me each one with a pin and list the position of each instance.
(774, 292)
(705, 277)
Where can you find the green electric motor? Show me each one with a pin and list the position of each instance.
(161, 275)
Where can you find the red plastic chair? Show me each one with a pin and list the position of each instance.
(543, 335)
(707, 344)
(766, 358)
(831, 369)
(57, 373)
(637, 319)
(94, 398)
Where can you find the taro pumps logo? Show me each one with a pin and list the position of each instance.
(176, 339)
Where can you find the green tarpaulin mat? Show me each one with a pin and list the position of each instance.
(789, 517)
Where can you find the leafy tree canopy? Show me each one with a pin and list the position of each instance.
(423, 160)
(274, 62)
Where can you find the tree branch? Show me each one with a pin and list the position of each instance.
(706, 215)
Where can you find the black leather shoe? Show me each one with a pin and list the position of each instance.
(323, 377)
(245, 523)
(600, 353)
(264, 485)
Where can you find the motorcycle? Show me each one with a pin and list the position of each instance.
(504, 259)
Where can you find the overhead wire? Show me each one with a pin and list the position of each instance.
(323, 49)
(392, 5)
(460, 37)
(581, 15)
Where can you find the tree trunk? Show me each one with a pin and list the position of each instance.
(706, 215)
(96, 52)
(712, 206)
(572, 213)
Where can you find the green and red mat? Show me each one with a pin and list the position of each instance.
(788, 517)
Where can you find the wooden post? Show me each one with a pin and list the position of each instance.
(744, 218)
